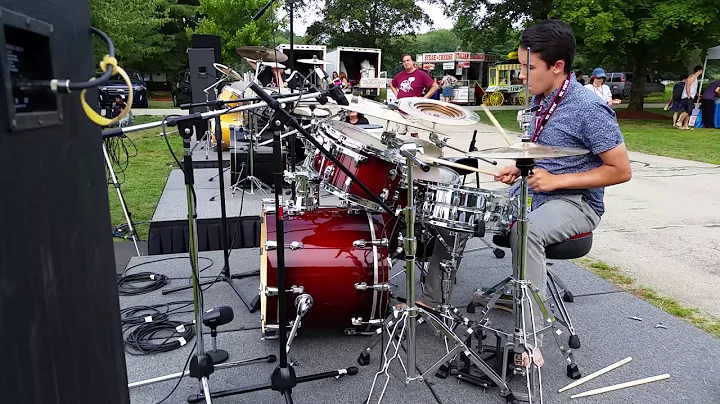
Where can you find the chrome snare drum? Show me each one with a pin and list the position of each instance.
(461, 208)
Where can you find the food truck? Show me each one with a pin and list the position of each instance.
(469, 68)
(504, 84)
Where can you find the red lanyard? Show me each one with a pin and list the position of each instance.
(545, 116)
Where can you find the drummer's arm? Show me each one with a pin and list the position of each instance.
(614, 170)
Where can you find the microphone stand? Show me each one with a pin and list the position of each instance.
(283, 378)
(225, 275)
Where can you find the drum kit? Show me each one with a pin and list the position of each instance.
(338, 258)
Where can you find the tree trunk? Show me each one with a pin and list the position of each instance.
(637, 94)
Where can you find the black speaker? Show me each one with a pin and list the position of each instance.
(202, 76)
(208, 41)
(59, 311)
(263, 164)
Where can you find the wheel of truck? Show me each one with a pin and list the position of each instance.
(497, 99)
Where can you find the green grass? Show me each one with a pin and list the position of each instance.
(145, 176)
(661, 97)
(652, 137)
(616, 276)
(160, 104)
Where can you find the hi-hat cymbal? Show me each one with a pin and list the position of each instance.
(262, 53)
(381, 111)
(436, 111)
(314, 61)
(227, 71)
(527, 150)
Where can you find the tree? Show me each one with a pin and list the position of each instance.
(641, 33)
(134, 27)
(231, 20)
(380, 24)
(487, 24)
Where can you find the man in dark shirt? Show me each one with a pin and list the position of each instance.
(708, 103)
(411, 82)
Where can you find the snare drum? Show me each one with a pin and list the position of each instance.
(462, 208)
(230, 92)
(376, 166)
(328, 266)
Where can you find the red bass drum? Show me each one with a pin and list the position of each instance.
(330, 266)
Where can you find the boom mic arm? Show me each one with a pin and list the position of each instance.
(335, 92)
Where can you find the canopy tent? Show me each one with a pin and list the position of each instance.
(712, 54)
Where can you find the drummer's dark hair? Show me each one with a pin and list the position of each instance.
(552, 40)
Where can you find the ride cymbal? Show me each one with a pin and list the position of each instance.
(527, 150)
(262, 53)
(381, 111)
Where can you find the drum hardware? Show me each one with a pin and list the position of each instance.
(303, 303)
(383, 242)
(383, 287)
(273, 291)
(524, 154)
(442, 141)
(271, 245)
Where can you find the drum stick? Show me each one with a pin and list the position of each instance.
(596, 374)
(496, 123)
(457, 165)
(622, 385)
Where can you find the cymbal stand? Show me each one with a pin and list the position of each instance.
(255, 183)
(403, 322)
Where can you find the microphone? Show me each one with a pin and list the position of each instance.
(334, 91)
(218, 316)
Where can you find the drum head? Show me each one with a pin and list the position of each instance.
(305, 112)
(359, 135)
(440, 175)
(234, 90)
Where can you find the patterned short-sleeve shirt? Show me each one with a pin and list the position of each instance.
(583, 121)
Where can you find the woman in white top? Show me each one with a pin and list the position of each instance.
(597, 85)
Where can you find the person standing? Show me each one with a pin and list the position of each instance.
(676, 104)
(688, 98)
(580, 79)
(411, 82)
(598, 87)
(708, 103)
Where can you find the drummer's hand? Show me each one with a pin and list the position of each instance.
(507, 175)
(543, 181)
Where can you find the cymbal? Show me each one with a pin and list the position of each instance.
(527, 150)
(436, 111)
(381, 111)
(227, 71)
(314, 61)
(262, 53)
(274, 65)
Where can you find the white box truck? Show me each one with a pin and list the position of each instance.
(362, 67)
(304, 52)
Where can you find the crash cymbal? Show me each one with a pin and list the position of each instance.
(274, 65)
(435, 111)
(314, 61)
(227, 71)
(527, 150)
(381, 111)
(261, 53)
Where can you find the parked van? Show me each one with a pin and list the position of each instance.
(620, 84)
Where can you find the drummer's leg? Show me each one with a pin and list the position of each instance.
(554, 221)
(433, 292)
